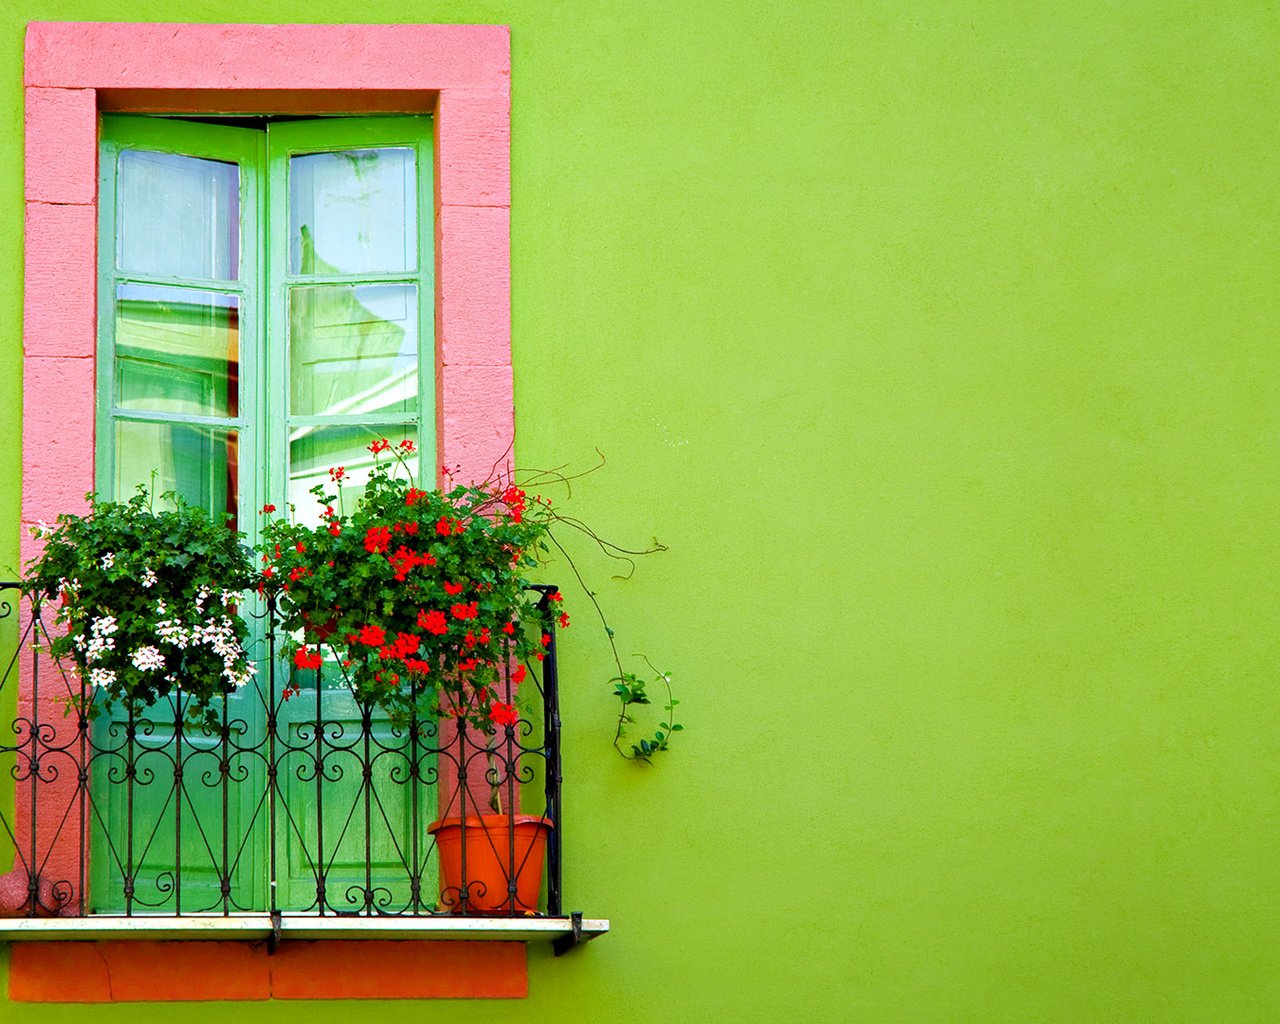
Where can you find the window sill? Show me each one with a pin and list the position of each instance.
(563, 932)
(170, 959)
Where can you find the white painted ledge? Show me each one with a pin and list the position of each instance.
(258, 928)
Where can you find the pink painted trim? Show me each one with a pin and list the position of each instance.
(124, 55)
(73, 69)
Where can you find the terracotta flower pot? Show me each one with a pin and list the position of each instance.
(487, 841)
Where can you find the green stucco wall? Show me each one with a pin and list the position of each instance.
(939, 343)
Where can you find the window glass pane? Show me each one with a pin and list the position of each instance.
(199, 463)
(178, 216)
(313, 451)
(353, 212)
(177, 350)
(353, 349)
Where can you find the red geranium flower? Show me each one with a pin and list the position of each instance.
(307, 659)
(453, 589)
(465, 611)
(377, 539)
(518, 675)
(372, 636)
(433, 622)
(503, 714)
(406, 644)
(382, 445)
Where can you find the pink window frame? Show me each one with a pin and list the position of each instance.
(74, 70)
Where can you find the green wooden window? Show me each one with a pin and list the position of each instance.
(265, 304)
(265, 312)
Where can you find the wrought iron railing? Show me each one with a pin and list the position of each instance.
(298, 802)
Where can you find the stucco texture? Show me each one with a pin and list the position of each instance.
(938, 342)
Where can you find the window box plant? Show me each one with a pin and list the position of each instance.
(148, 601)
(421, 600)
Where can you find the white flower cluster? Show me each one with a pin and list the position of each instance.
(100, 640)
(172, 631)
(148, 579)
(108, 560)
(226, 597)
(147, 659)
(219, 633)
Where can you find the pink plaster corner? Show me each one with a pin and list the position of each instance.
(60, 282)
(61, 145)
(57, 437)
(475, 168)
(476, 422)
(117, 55)
(474, 285)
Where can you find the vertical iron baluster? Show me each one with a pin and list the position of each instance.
(177, 808)
(551, 710)
(272, 791)
(130, 769)
(462, 810)
(225, 770)
(366, 725)
(415, 876)
(511, 790)
(82, 726)
(320, 868)
(33, 723)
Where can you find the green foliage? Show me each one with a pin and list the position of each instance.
(147, 598)
(419, 598)
(630, 690)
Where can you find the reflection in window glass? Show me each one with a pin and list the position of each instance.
(178, 216)
(353, 350)
(177, 350)
(313, 451)
(199, 463)
(353, 212)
